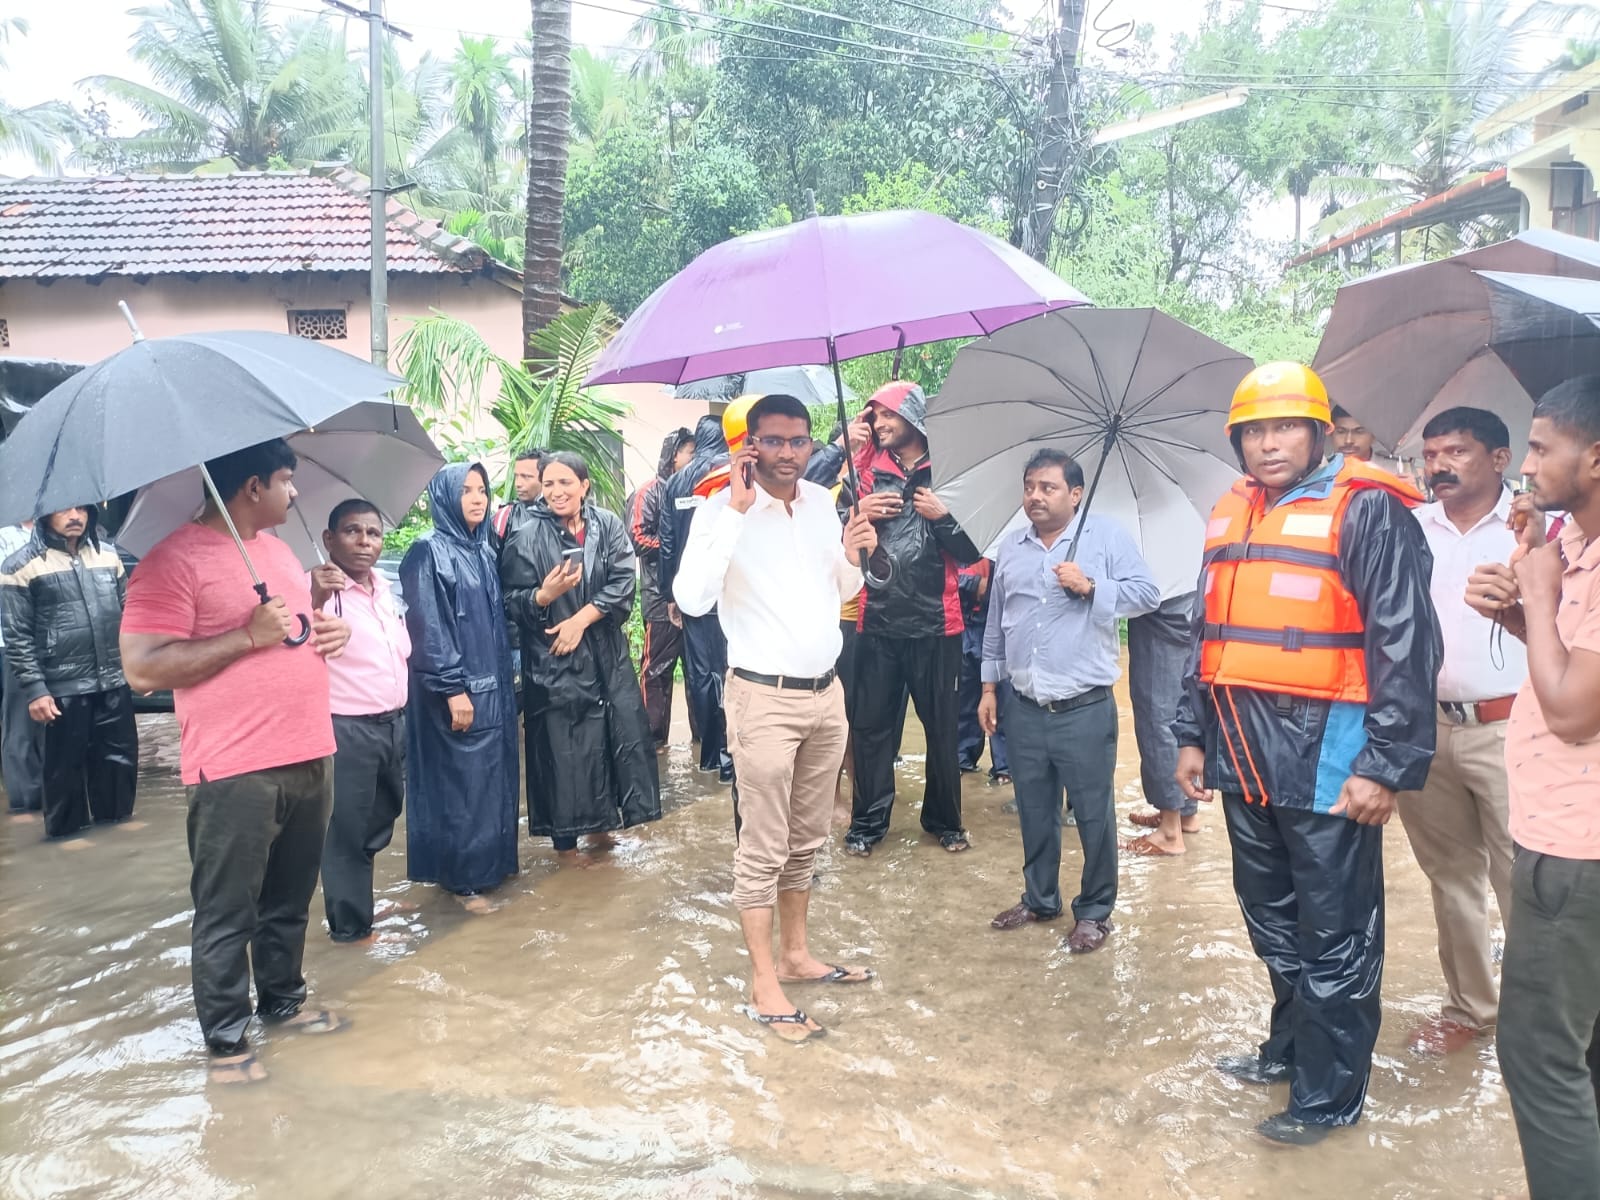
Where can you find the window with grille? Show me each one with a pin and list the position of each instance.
(318, 324)
(5, 335)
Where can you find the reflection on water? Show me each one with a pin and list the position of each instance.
(589, 1039)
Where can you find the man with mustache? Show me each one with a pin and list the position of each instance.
(1457, 822)
(61, 602)
(1309, 702)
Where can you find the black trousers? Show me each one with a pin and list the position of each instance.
(886, 670)
(1073, 751)
(369, 789)
(255, 842)
(91, 761)
(663, 647)
(1310, 886)
(21, 746)
(705, 667)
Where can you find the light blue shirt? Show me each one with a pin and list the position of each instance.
(1051, 644)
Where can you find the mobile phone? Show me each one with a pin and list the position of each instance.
(570, 555)
(749, 473)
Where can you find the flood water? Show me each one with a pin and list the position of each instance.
(589, 1038)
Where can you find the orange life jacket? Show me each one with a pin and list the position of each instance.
(716, 479)
(1279, 617)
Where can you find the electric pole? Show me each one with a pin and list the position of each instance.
(1058, 148)
(379, 193)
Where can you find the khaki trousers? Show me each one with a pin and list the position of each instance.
(1458, 828)
(787, 747)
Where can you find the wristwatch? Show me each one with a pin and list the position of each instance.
(1088, 597)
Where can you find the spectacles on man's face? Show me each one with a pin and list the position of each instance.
(778, 443)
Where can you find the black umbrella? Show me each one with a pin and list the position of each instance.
(1545, 328)
(169, 405)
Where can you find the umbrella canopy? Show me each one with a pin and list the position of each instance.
(164, 405)
(811, 385)
(1138, 398)
(1545, 328)
(375, 451)
(825, 290)
(1404, 344)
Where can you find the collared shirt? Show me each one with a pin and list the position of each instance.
(1555, 786)
(12, 539)
(1051, 644)
(1469, 672)
(776, 578)
(370, 676)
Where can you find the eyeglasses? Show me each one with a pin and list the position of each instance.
(778, 443)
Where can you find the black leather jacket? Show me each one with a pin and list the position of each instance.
(62, 614)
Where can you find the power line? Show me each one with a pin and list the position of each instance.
(910, 33)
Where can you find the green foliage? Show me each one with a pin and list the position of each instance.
(38, 131)
(541, 403)
(717, 193)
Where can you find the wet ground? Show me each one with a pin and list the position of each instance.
(589, 1038)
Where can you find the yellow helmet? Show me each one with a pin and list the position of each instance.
(734, 420)
(1280, 389)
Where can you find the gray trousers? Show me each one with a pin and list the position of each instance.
(21, 747)
(1158, 649)
(1075, 751)
(369, 789)
(1549, 1031)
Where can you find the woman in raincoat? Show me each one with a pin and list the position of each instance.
(569, 579)
(461, 749)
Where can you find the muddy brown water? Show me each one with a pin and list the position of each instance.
(589, 1038)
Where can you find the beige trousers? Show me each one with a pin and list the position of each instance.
(787, 747)
(1458, 828)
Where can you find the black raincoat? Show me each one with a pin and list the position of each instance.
(461, 788)
(591, 759)
(678, 501)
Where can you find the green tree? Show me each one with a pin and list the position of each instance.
(39, 130)
(230, 83)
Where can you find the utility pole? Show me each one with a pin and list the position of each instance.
(379, 192)
(1058, 148)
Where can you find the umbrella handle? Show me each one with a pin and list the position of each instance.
(874, 582)
(298, 639)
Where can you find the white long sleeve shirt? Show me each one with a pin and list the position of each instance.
(776, 578)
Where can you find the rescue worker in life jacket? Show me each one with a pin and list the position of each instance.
(1308, 703)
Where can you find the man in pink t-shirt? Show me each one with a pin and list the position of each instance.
(255, 740)
(1549, 1031)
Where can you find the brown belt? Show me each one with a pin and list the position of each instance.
(1481, 712)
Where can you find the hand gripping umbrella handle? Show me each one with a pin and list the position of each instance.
(298, 639)
(872, 581)
(261, 588)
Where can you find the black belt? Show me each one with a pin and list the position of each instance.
(1081, 700)
(797, 683)
(383, 718)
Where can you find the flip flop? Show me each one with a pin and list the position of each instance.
(1145, 820)
(319, 1021)
(239, 1070)
(1146, 847)
(955, 842)
(839, 975)
(795, 1018)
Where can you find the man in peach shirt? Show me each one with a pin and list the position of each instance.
(1549, 1032)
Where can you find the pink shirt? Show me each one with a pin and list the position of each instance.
(370, 676)
(269, 708)
(1555, 786)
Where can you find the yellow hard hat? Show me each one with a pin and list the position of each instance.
(1280, 389)
(734, 423)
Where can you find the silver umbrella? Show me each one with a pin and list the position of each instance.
(1138, 398)
(810, 385)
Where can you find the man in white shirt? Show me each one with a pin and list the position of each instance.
(21, 738)
(1458, 823)
(767, 554)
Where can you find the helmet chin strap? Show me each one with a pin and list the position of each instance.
(1319, 447)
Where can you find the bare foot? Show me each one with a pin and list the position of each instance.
(236, 1069)
(390, 908)
(574, 858)
(26, 818)
(385, 937)
(77, 843)
(477, 905)
(130, 824)
(602, 842)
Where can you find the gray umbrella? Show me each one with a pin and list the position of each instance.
(1545, 328)
(810, 385)
(1138, 398)
(375, 451)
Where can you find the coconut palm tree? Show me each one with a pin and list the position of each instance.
(39, 130)
(228, 82)
(549, 131)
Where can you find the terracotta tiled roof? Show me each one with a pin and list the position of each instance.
(244, 223)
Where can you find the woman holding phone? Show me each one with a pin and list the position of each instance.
(461, 722)
(570, 581)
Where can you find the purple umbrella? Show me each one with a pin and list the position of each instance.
(827, 289)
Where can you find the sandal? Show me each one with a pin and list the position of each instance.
(777, 1021)
(839, 975)
(236, 1070)
(314, 1021)
(955, 841)
(857, 847)
(1148, 847)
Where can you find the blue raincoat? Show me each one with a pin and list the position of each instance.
(461, 788)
